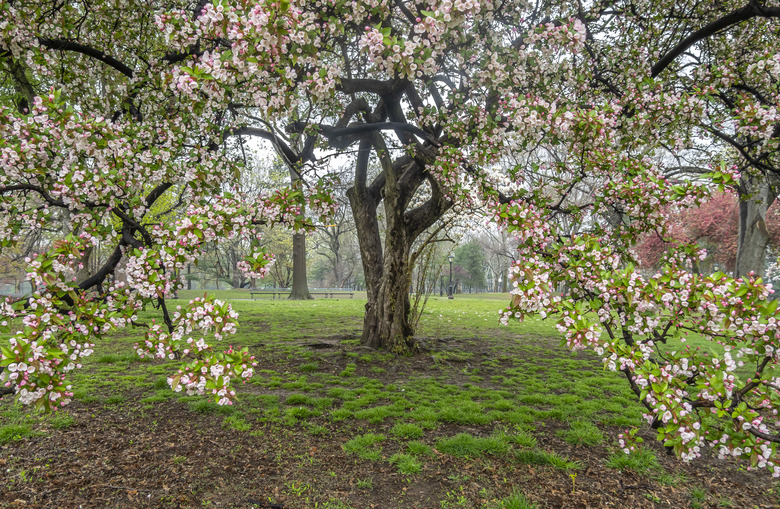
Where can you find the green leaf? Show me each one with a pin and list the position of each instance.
(8, 356)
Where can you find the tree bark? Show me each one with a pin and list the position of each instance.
(300, 285)
(388, 268)
(756, 196)
(363, 201)
(84, 272)
(386, 322)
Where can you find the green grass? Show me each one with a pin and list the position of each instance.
(416, 448)
(298, 399)
(466, 445)
(515, 501)
(236, 422)
(521, 437)
(309, 367)
(582, 433)
(336, 504)
(537, 457)
(406, 464)
(670, 479)
(698, 497)
(61, 420)
(407, 431)
(365, 484)
(366, 446)
(115, 358)
(204, 406)
(640, 462)
(15, 432)
(159, 396)
(116, 399)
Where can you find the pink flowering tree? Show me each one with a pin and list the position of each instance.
(547, 113)
(100, 124)
(714, 225)
(671, 86)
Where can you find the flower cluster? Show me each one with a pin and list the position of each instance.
(209, 372)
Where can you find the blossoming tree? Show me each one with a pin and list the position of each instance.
(98, 125)
(519, 106)
(677, 72)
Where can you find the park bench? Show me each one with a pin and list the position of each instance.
(285, 293)
(332, 295)
(266, 292)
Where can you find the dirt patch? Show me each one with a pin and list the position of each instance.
(167, 455)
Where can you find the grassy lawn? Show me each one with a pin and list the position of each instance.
(482, 416)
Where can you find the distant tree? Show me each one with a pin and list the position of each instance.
(336, 243)
(499, 253)
(281, 244)
(714, 226)
(469, 265)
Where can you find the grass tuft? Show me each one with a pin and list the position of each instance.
(204, 406)
(582, 433)
(419, 449)
(640, 462)
(406, 463)
(61, 420)
(516, 501)
(537, 457)
(236, 422)
(407, 431)
(465, 445)
(365, 446)
(15, 432)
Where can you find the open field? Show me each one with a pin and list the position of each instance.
(483, 416)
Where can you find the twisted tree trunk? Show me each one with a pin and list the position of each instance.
(388, 267)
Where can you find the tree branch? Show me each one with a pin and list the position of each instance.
(751, 10)
(345, 136)
(88, 51)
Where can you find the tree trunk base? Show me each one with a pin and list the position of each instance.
(392, 333)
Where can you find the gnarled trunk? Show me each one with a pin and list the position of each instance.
(386, 323)
(388, 268)
(756, 196)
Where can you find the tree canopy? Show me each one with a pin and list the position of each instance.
(562, 119)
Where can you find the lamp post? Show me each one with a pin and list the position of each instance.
(449, 291)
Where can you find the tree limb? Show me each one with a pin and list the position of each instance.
(88, 51)
(751, 10)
